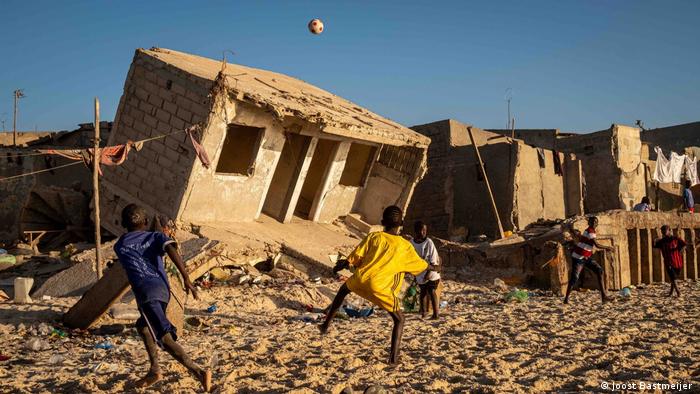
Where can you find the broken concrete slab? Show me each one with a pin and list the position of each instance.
(114, 284)
(355, 221)
(74, 281)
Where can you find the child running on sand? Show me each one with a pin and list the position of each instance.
(582, 256)
(429, 279)
(381, 260)
(671, 248)
(141, 253)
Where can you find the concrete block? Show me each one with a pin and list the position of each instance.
(23, 286)
(184, 114)
(155, 100)
(355, 221)
(170, 107)
(162, 115)
(151, 122)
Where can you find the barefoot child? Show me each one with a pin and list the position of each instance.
(671, 248)
(429, 279)
(582, 256)
(141, 253)
(380, 262)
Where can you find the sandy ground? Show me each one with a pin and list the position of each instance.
(256, 342)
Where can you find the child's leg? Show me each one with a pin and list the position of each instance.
(435, 302)
(672, 277)
(155, 317)
(154, 374)
(576, 268)
(396, 335)
(598, 270)
(337, 303)
(423, 300)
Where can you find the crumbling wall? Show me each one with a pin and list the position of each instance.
(673, 138)
(158, 99)
(539, 189)
(453, 189)
(14, 193)
(214, 197)
(391, 181)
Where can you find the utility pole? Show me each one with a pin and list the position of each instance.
(509, 96)
(96, 189)
(488, 185)
(18, 94)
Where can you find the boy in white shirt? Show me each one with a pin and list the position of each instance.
(429, 279)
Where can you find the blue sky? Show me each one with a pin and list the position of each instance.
(573, 65)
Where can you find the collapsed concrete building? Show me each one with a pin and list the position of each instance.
(528, 183)
(279, 147)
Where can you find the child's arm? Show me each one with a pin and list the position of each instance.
(177, 259)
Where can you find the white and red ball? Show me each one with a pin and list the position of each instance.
(316, 26)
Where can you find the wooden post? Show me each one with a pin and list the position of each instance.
(96, 189)
(488, 185)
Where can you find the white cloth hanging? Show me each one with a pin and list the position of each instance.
(691, 170)
(662, 173)
(677, 165)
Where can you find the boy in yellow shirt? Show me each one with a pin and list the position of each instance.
(380, 262)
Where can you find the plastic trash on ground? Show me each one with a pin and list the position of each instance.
(212, 308)
(357, 313)
(517, 295)
(104, 345)
(626, 292)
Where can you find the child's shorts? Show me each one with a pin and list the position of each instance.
(673, 273)
(577, 266)
(429, 285)
(153, 316)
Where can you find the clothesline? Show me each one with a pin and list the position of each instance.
(37, 172)
(111, 155)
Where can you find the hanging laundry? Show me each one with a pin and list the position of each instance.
(198, 148)
(662, 173)
(110, 155)
(677, 165)
(691, 170)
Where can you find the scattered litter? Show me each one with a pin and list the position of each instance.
(56, 359)
(220, 274)
(2, 251)
(309, 317)
(212, 308)
(356, 313)
(4, 357)
(44, 329)
(443, 304)
(103, 368)
(500, 285)
(106, 345)
(36, 344)
(56, 333)
(517, 295)
(46, 298)
(3, 296)
(410, 299)
(626, 292)
(110, 329)
(124, 312)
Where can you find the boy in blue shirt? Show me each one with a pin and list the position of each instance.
(141, 253)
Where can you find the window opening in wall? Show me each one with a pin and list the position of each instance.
(240, 150)
(357, 165)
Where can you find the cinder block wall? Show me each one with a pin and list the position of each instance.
(158, 99)
(429, 202)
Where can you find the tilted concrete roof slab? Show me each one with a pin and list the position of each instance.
(286, 96)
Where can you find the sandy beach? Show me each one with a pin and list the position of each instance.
(258, 342)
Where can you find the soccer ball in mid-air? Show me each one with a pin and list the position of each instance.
(316, 26)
